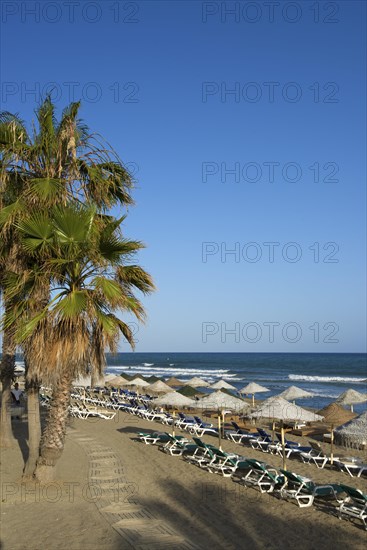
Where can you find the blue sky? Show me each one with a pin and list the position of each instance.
(188, 92)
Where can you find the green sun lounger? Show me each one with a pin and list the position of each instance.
(303, 490)
(354, 505)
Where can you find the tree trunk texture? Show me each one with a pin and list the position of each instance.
(34, 428)
(33, 384)
(7, 374)
(53, 438)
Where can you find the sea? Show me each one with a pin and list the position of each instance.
(327, 375)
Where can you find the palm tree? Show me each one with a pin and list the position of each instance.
(55, 163)
(88, 266)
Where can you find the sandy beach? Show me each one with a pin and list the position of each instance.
(114, 492)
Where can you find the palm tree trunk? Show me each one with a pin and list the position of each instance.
(34, 428)
(7, 374)
(52, 443)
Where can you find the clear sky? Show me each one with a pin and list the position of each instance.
(245, 125)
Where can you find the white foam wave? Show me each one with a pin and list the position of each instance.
(148, 364)
(179, 372)
(351, 379)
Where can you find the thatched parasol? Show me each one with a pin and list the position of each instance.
(277, 407)
(253, 388)
(128, 376)
(353, 433)
(188, 391)
(158, 387)
(293, 392)
(152, 379)
(174, 382)
(218, 401)
(109, 377)
(222, 384)
(137, 382)
(117, 381)
(197, 383)
(336, 415)
(222, 402)
(174, 399)
(351, 397)
(85, 381)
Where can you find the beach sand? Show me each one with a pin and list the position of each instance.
(113, 492)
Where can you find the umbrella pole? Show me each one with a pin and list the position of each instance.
(332, 445)
(219, 434)
(283, 444)
(351, 408)
(173, 423)
(273, 431)
(253, 400)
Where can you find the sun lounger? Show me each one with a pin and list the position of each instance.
(354, 505)
(221, 462)
(200, 428)
(177, 446)
(81, 410)
(262, 442)
(153, 437)
(200, 456)
(184, 422)
(303, 490)
(316, 455)
(258, 474)
(351, 466)
(238, 434)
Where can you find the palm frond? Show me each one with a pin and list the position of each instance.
(136, 276)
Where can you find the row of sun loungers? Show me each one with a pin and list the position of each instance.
(313, 454)
(350, 502)
(86, 404)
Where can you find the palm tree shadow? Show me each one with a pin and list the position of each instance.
(215, 515)
(20, 432)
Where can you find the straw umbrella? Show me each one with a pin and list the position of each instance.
(137, 382)
(128, 376)
(174, 382)
(253, 388)
(336, 414)
(222, 384)
(197, 383)
(118, 382)
(221, 401)
(175, 400)
(293, 392)
(152, 379)
(351, 397)
(84, 381)
(158, 387)
(109, 377)
(277, 407)
(353, 433)
(188, 391)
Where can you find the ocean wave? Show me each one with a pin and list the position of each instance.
(148, 364)
(351, 379)
(179, 372)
